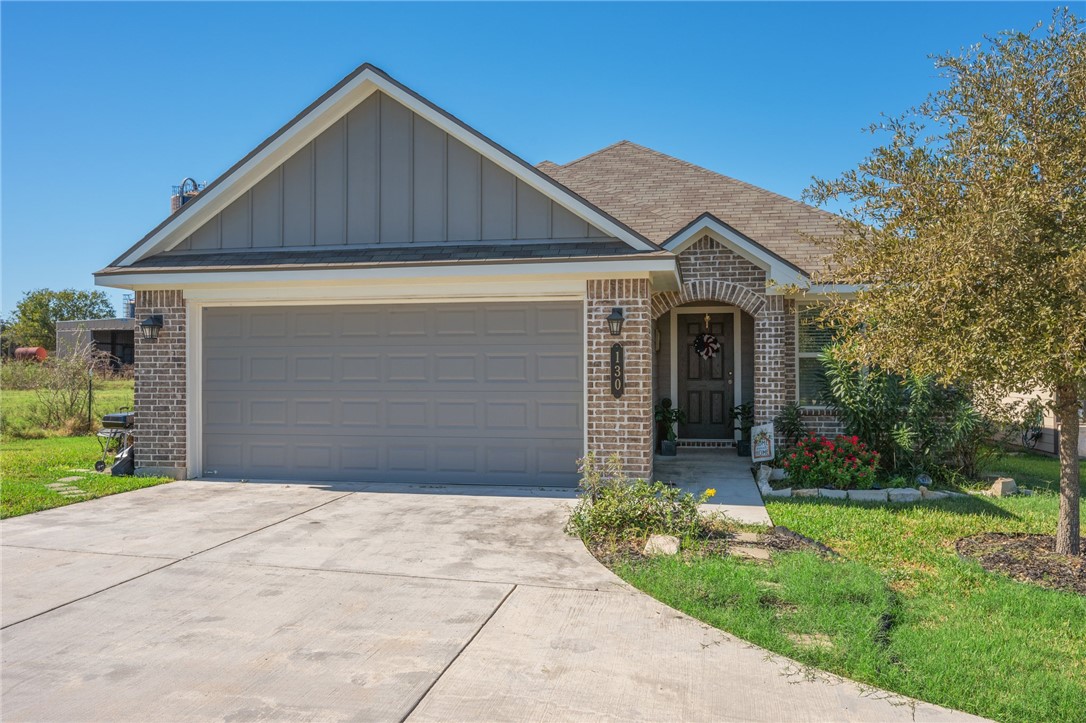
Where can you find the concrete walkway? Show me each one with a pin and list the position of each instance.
(244, 601)
(696, 470)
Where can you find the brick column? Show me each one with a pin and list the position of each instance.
(622, 425)
(771, 371)
(160, 406)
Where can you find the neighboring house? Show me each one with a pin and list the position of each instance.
(380, 292)
(115, 337)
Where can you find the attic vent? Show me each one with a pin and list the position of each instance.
(185, 192)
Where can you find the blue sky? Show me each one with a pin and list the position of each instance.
(106, 106)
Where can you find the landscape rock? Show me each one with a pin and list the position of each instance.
(658, 545)
(1025, 492)
(763, 474)
(832, 494)
(805, 492)
(1002, 487)
(933, 494)
(764, 488)
(903, 494)
(778, 474)
(867, 495)
(787, 492)
(923, 480)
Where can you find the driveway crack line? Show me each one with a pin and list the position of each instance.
(174, 562)
(88, 552)
(383, 573)
(458, 654)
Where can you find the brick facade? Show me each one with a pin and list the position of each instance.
(160, 403)
(772, 367)
(713, 272)
(622, 425)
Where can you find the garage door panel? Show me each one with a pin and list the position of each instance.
(397, 413)
(442, 393)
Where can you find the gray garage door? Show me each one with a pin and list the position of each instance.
(430, 393)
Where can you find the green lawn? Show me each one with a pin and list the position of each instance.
(27, 465)
(17, 407)
(899, 609)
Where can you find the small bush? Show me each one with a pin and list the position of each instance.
(21, 374)
(611, 505)
(62, 392)
(841, 463)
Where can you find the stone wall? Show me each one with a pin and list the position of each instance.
(160, 402)
(622, 425)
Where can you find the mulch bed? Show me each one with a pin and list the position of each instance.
(1027, 558)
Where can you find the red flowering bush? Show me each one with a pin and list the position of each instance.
(840, 463)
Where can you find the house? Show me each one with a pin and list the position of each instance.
(380, 292)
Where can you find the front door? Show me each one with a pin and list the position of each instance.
(706, 386)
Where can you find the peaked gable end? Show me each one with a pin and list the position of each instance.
(384, 174)
(373, 162)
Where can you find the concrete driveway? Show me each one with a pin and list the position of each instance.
(246, 601)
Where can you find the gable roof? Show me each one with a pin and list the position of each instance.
(657, 195)
(317, 117)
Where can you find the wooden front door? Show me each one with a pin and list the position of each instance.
(706, 386)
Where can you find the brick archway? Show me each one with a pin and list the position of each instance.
(723, 291)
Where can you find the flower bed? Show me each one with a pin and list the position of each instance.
(842, 463)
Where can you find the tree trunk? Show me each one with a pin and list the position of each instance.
(1068, 527)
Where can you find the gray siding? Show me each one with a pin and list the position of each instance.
(382, 174)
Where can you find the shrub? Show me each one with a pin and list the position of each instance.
(841, 463)
(20, 374)
(789, 424)
(62, 391)
(914, 423)
(611, 505)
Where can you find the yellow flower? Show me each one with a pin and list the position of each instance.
(710, 492)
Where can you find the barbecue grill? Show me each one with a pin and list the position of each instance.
(115, 437)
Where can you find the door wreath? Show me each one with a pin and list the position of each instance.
(706, 346)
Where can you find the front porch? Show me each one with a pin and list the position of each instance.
(695, 470)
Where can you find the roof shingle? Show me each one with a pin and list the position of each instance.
(657, 195)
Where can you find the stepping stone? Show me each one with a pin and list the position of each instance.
(69, 479)
(811, 640)
(751, 553)
(746, 537)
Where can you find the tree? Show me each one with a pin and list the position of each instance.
(34, 322)
(966, 232)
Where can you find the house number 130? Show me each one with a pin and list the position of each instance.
(618, 371)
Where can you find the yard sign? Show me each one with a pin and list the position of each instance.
(762, 447)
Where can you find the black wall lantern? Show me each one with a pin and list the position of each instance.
(614, 321)
(150, 327)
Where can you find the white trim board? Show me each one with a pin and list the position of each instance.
(780, 272)
(660, 269)
(362, 83)
(737, 348)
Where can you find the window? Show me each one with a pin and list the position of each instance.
(811, 339)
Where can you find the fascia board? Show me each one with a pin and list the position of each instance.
(196, 277)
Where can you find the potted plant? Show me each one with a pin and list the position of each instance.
(667, 416)
(743, 418)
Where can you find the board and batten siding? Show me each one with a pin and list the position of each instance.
(383, 174)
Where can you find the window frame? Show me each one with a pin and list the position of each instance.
(800, 307)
